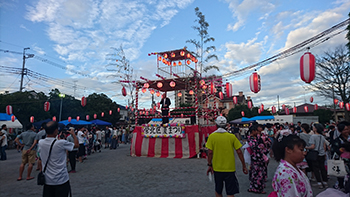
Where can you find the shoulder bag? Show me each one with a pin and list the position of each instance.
(312, 155)
(41, 175)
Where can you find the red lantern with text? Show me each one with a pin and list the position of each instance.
(13, 118)
(212, 88)
(46, 106)
(78, 118)
(254, 81)
(286, 110)
(182, 53)
(235, 100)
(118, 109)
(315, 107)
(262, 107)
(311, 99)
(221, 95)
(306, 109)
(283, 106)
(9, 110)
(172, 84)
(273, 109)
(228, 89)
(31, 119)
(159, 84)
(69, 119)
(143, 90)
(341, 105)
(110, 112)
(188, 55)
(158, 93)
(294, 109)
(347, 106)
(123, 91)
(179, 94)
(95, 116)
(151, 91)
(259, 111)
(336, 101)
(250, 105)
(242, 113)
(102, 114)
(307, 67)
(83, 101)
(87, 117)
(54, 118)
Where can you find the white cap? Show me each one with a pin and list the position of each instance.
(221, 121)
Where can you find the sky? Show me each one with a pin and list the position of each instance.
(72, 39)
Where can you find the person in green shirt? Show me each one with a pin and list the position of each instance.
(221, 158)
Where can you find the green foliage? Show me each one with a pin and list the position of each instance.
(324, 115)
(235, 112)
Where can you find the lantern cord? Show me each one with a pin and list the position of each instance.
(311, 42)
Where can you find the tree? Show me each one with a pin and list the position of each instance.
(348, 36)
(235, 112)
(201, 52)
(333, 75)
(324, 115)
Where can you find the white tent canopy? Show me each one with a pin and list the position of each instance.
(16, 124)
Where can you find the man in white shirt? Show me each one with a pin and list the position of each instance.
(81, 151)
(56, 175)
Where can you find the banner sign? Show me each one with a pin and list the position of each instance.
(163, 131)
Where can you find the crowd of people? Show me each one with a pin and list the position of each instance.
(302, 151)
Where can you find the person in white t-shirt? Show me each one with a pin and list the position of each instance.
(81, 135)
(56, 174)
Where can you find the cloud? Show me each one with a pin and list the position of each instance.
(244, 53)
(24, 27)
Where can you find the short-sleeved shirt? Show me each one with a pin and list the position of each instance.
(71, 139)
(305, 137)
(80, 137)
(4, 141)
(315, 139)
(98, 135)
(223, 145)
(56, 172)
(40, 135)
(28, 138)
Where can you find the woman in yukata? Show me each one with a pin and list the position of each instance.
(288, 179)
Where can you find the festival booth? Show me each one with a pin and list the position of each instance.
(177, 71)
(11, 122)
(75, 122)
(100, 122)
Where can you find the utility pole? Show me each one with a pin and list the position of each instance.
(24, 71)
(278, 102)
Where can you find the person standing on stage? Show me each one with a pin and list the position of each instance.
(165, 102)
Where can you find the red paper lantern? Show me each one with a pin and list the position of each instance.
(311, 99)
(294, 109)
(46, 106)
(235, 101)
(169, 114)
(315, 107)
(205, 87)
(188, 62)
(182, 53)
(146, 113)
(126, 107)
(13, 118)
(201, 82)
(69, 119)
(83, 101)
(9, 110)
(31, 119)
(273, 109)
(151, 91)
(283, 106)
(158, 105)
(262, 107)
(118, 109)
(259, 111)
(221, 95)
(172, 54)
(87, 117)
(287, 110)
(158, 93)
(54, 118)
(165, 55)
(182, 115)
(336, 101)
(143, 90)
(242, 113)
(78, 118)
(188, 55)
(228, 89)
(110, 112)
(212, 88)
(172, 84)
(255, 83)
(191, 92)
(341, 105)
(347, 106)
(159, 58)
(123, 91)
(179, 94)
(250, 105)
(174, 63)
(159, 84)
(306, 109)
(307, 67)
(95, 116)
(180, 63)
(102, 114)
(146, 85)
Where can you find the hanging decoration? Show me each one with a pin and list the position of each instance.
(182, 115)
(188, 62)
(273, 109)
(87, 117)
(235, 101)
(83, 101)
(228, 89)
(180, 63)
(95, 116)
(191, 92)
(158, 105)
(158, 93)
(126, 107)
(13, 118)
(102, 114)
(306, 109)
(31, 119)
(46, 106)
(341, 105)
(255, 83)
(336, 101)
(172, 54)
(311, 99)
(283, 106)
(262, 107)
(286, 109)
(315, 107)
(9, 110)
(143, 90)
(347, 106)
(165, 55)
(259, 111)
(204, 87)
(294, 109)
(146, 85)
(172, 84)
(118, 109)
(307, 67)
(179, 94)
(242, 113)
(54, 118)
(159, 84)
(78, 118)
(182, 53)
(188, 55)
(110, 112)
(201, 82)
(221, 95)
(123, 91)
(159, 58)
(151, 91)
(212, 88)
(250, 105)
(69, 119)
